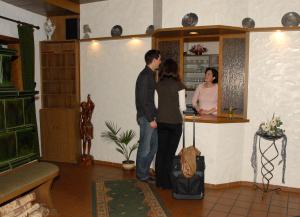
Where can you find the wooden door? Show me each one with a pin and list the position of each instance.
(60, 142)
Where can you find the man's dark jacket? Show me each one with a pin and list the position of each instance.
(144, 94)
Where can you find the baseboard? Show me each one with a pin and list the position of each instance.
(108, 163)
(215, 186)
(250, 184)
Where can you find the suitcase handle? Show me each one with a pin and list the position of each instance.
(183, 131)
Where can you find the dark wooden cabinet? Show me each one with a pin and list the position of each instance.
(60, 93)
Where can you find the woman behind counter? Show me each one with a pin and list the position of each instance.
(171, 104)
(205, 98)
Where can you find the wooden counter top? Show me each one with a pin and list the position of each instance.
(214, 119)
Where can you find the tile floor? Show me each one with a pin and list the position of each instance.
(71, 194)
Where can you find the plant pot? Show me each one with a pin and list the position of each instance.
(128, 165)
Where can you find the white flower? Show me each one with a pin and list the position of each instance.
(272, 127)
(273, 122)
(265, 127)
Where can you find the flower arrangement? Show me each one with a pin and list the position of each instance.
(271, 128)
(197, 49)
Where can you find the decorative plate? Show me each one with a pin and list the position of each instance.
(248, 22)
(189, 19)
(290, 19)
(150, 29)
(116, 30)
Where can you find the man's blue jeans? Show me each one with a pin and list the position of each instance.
(146, 150)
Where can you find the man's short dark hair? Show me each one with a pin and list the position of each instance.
(151, 55)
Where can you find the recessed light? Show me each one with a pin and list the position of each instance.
(193, 33)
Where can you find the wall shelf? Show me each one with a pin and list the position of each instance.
(115, 38)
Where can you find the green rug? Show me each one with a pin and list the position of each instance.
(126, 198)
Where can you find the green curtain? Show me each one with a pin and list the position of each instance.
(27, 56)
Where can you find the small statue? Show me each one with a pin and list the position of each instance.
(49, 28)
(86, 129)
(86, 31)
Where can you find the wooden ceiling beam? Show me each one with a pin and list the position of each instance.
(66, 4)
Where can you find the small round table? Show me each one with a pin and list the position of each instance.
(266, 160)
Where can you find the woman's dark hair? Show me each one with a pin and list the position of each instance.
(169, 70)
(214, 72)
(151, 55)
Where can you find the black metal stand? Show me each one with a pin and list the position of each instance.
(267, 166)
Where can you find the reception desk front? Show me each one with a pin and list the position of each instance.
(221, 140)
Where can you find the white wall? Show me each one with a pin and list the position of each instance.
(108, 72)
(274, 87)
(9, 28)
(269, 13)
(213, 12)
(109, 76)
(134, 16)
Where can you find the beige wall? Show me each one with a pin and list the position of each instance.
(134, 16)
(269, 13)
(109, 74)
(213, 12)
(274, 87)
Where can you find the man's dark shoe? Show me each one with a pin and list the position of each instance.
(150, 180)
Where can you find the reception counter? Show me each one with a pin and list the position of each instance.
(214, 119)
(221, 141)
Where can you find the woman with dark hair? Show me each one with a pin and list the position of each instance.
(205, 98)
(170, 99)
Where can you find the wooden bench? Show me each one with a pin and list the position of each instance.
(36, 176)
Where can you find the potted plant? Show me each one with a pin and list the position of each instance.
(122, 140)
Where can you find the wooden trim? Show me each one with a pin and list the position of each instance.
(107, 163)
(249, 184)
(220, 113)
(181, 59)
(115, 38)
(16, 68)
(212, 186)
(246, 68)
(223, 30)
(220, 75)
(66, 4)
(234, 36)
(201, 29)
(201, 38)
(77, 74)
(215, 119)
(274, 29)
(8, 40)
(59, 41)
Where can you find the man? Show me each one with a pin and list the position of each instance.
(146, 115)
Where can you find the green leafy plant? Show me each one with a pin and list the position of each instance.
(121, 139)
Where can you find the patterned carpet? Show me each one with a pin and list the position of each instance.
(126, 198)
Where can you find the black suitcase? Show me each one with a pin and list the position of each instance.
(188, 188)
